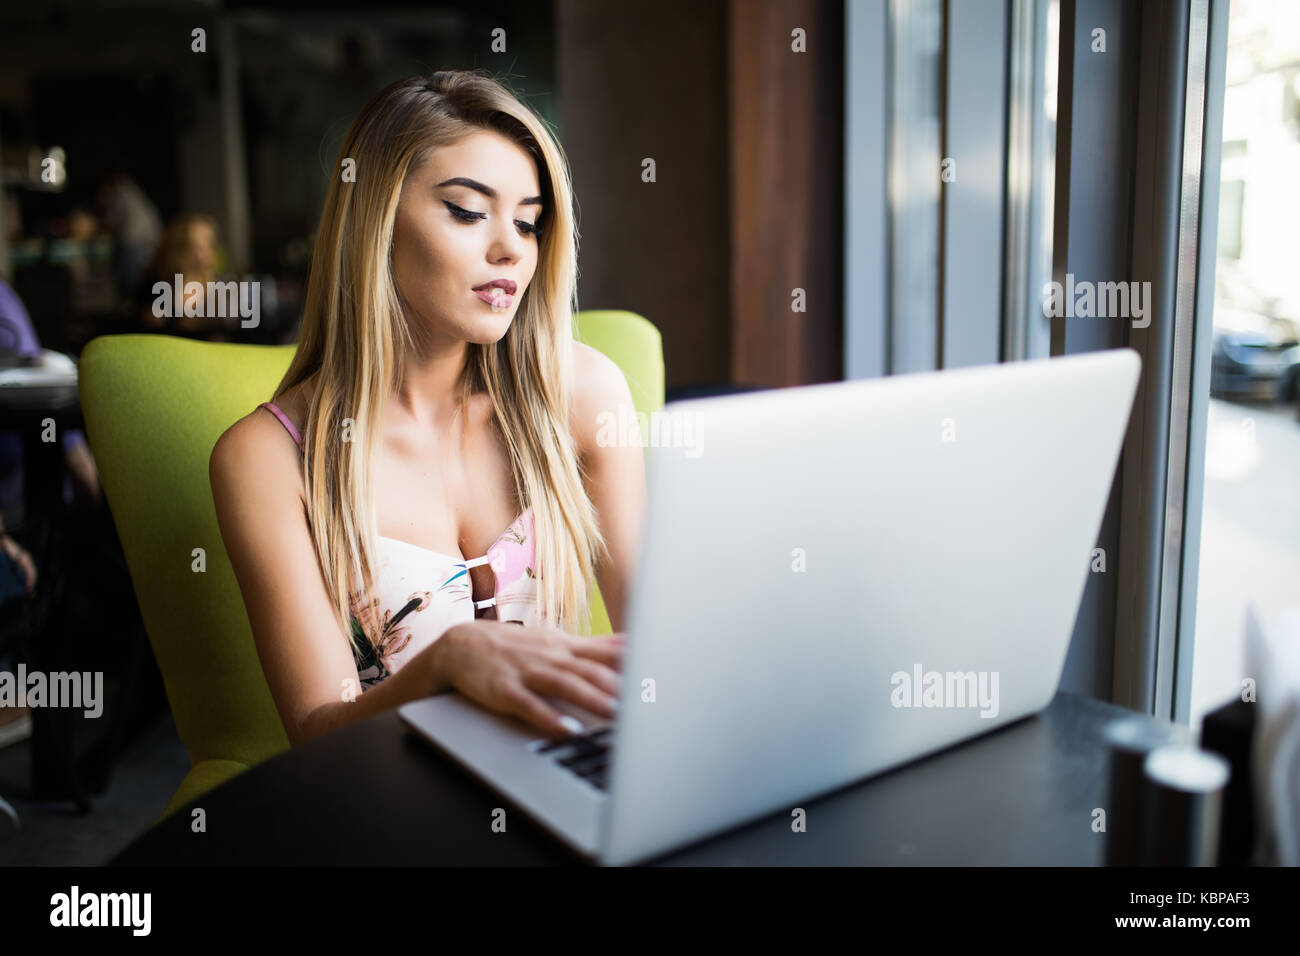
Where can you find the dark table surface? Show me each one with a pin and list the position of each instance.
(374, 793)
(27, 406)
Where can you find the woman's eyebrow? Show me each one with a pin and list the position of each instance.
(485, 190)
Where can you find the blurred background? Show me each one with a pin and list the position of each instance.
(843, 189)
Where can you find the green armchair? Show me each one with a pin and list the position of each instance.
(154, 407)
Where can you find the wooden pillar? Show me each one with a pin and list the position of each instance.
(786, 182)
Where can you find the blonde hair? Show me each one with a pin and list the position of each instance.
(354, 335)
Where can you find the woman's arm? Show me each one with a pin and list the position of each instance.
(422, 676)
(615, 473)
(307, 660)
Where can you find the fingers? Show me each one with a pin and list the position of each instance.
(567, 685)
(582, 640)
(547, 662)
(604, 649)
(596, 673)
(23, 561)
(526, 705)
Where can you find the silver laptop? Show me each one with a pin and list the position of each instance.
(834, 580)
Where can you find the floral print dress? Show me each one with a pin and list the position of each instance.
(418, 594)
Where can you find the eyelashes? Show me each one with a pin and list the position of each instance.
(465, 215)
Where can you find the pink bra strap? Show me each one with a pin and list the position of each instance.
(284, 420)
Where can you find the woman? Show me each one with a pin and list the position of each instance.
(421, 415)
(188, 249)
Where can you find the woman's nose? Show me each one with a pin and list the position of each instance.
(507, 243)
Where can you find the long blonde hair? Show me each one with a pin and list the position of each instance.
(354, 335)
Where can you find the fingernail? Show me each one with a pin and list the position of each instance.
(572, 724)
(613, 704)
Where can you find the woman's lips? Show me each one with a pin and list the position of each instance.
(495, 296)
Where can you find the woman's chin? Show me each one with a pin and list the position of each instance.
(486, 331)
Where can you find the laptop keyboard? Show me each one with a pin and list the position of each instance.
(585, 754)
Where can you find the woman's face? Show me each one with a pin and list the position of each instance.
(200, 250)
(453, 236)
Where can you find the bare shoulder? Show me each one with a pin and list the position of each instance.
(258, 448)
(599, 387)
(294, 402)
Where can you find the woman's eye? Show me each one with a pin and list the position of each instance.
(466, 215)
(463, 214)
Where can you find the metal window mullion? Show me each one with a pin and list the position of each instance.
(1203, 331)
(1165, 236)
(915, 35)
(1180, 397)
(1020, 168)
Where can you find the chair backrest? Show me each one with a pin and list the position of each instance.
(154, 407)
(636, 347)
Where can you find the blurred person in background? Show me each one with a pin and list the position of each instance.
(135, 225)
(17, 337)
(19, 572)
(190, 249)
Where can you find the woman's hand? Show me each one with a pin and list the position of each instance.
(23, 560)
(510, 668)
